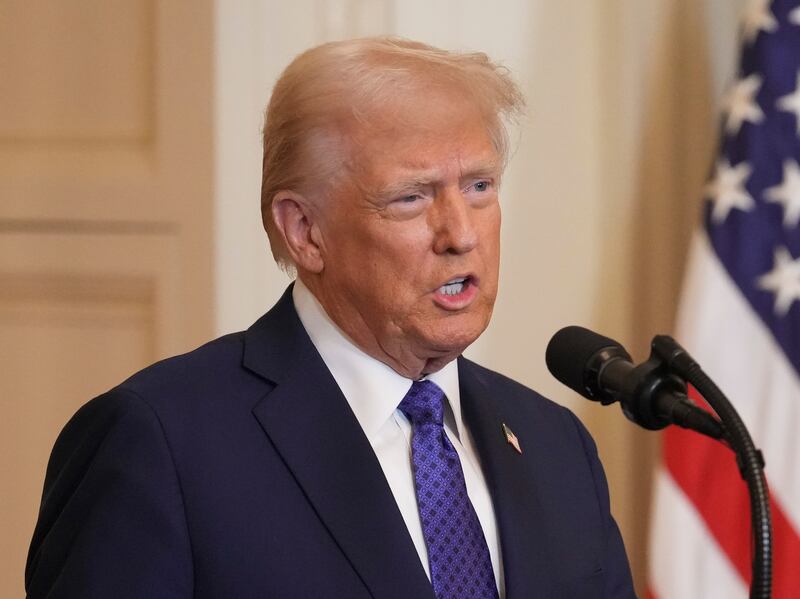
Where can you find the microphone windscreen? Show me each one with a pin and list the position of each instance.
(569, 353)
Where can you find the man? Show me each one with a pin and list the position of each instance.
(341, 447)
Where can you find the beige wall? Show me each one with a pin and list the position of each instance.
(105, 217)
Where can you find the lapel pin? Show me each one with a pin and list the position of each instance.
(511, 438)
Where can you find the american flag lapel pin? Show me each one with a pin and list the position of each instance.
(511, 438)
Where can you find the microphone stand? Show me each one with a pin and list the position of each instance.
(748, 458)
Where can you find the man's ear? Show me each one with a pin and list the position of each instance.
(294, 218)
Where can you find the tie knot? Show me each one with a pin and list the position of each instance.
(423, 403)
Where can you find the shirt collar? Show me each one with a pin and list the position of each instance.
(372, 388)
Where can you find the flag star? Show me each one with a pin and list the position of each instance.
(758, 17)
(727, 190)
(741, 105)
(791, 102)
(783, 280)
(787, 193)
(794, 16)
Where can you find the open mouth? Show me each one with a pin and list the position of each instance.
(457, 293)
(455, 286)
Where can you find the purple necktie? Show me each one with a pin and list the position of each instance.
(457, 551)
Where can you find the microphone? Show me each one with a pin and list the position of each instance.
(601, 370)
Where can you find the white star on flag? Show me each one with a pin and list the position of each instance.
(757, 17)
(783, 280)
(791, 102)
(787, 193)
(794, 16)
(740, 104)
(727, 190)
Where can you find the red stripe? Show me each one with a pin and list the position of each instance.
(706, 472)
(649, 594)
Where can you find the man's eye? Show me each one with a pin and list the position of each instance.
(411, 198)
(481, 186)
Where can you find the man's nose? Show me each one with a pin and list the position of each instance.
(454, 226)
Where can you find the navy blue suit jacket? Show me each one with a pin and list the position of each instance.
(238, 470)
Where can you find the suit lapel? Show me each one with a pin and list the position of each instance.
(311, 425)
(511, 485)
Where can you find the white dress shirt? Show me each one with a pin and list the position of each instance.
(374, 391)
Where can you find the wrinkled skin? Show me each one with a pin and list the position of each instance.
(417, 207)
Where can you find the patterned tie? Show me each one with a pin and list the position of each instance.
(457, 551)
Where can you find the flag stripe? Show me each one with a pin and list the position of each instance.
(686, 561)
(707, 474)
(765, 391)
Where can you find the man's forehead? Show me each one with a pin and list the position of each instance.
(430, 111)
(424, 143)
(465, 162)
(419, 145)
(407, 161)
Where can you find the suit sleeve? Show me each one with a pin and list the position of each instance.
(112, 521)
(618, 582)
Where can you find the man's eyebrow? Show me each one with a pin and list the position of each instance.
(484, 168)
(481, 169)
(484, 172)
(405, 184)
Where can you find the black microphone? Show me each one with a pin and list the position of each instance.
(600, 369)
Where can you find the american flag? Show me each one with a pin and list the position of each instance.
(740, 318)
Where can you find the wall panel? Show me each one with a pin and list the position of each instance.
(105, 216)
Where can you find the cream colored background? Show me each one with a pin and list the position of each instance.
(129, 181)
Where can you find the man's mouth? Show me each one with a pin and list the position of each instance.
(455, 286)
(457, 293)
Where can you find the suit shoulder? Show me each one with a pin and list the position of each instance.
(212, 366)
(220, 350)
(111, 486)
(90, 425)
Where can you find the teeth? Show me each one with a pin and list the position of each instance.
(453, 288)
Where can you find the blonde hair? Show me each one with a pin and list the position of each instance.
(328, 88)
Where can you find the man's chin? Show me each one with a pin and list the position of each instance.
(463, 330)
(450, 342)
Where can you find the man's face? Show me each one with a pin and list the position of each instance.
(411, 238)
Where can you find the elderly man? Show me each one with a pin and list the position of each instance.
(341, 447)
